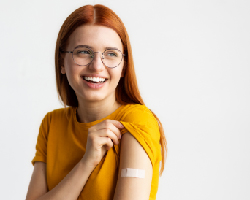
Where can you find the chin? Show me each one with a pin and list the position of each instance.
(94, 97)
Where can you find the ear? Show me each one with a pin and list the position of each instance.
(63, 70)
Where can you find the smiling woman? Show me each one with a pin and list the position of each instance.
(78, 152)
(88, 42)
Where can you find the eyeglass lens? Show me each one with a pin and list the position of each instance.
(84, 56)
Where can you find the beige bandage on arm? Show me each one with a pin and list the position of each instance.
(128, 172)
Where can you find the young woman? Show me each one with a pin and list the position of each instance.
(80, 153)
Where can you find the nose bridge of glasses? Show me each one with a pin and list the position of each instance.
(94, 56)
(96, 60)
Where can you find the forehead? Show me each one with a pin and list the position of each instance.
(97, 37)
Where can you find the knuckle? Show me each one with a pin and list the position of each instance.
(106, 122)
(108, 125)
(108, 132)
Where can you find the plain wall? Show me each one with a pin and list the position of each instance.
(193, 68)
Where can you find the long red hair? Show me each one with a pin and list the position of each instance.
(127, 90)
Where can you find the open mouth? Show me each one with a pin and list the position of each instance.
(94, 81)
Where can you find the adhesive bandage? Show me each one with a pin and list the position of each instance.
(128, 172)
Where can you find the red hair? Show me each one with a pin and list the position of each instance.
(127, 91)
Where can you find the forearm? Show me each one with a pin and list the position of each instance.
(71, 186)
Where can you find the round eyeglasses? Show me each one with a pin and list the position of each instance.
(83, 55)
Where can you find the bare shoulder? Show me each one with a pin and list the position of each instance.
(38, 183)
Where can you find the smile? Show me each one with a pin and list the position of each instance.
(94, 85)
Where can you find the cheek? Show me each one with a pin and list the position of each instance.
(67, 60)
(70, 66)
(117, 75)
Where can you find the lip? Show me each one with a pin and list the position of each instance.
(93, 75)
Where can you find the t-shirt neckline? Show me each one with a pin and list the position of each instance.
(89, 124)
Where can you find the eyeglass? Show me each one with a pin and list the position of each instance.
(83, 55)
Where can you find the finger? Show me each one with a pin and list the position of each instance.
(114, 133)
(111, 125)
(117, 124)
(110, 143)
(106, 141)
(110, 134)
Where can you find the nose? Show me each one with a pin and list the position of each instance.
(97, 64)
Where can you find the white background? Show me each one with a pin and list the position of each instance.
(192, 60)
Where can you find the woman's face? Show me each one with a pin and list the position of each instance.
(98, 38)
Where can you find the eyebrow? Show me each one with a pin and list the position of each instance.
(108, 48)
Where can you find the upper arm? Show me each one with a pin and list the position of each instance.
(133, 155)
(38, 183)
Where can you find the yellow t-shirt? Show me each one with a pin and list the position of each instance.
(61, 143)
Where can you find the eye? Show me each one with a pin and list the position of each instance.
(111, 53)
(83, 52)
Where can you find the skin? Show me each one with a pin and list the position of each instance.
(93, 104)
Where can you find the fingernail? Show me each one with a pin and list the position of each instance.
(121, 126)
(120, 136)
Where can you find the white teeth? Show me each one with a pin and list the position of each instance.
(95, 79)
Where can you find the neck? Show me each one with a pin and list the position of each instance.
(92, 111)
